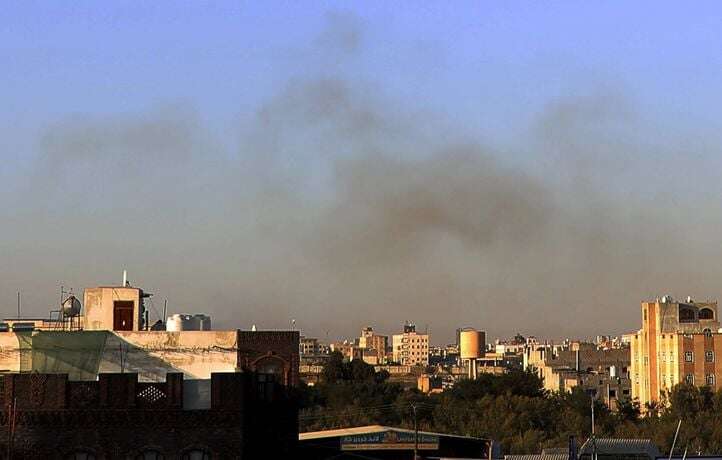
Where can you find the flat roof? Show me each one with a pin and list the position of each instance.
(369, 429)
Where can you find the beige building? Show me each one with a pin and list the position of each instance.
(110, 335)
(679, 343)
(411, 348)
(118, 308)
(601, 373)
(373, 344)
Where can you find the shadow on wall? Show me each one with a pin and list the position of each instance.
(84, 354)
(123, 356)
(77, 354)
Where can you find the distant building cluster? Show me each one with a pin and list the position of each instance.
(105, 354)
(601, 367)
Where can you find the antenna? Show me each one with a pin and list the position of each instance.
(165, 310)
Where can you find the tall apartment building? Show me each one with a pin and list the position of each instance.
(411, 348)
(374, 343)
(679, 342)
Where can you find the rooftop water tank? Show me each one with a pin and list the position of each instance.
(472, 344)
(185, 322)
(71, 307)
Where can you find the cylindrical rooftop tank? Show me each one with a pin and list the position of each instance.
(176, 322)
(472, 344)
(204, 322)
(181, 322)
(71, 307)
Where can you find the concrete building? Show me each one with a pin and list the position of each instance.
(118, 308)
(411, 348)
(114, 338)
(603, 374)
(308, 346)
(679, 342)
(375, 343)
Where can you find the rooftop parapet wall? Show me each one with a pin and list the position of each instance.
(54, 392)
(151, 354)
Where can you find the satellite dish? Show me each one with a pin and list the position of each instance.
(71, 307)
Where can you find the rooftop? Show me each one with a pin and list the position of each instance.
(368, 429)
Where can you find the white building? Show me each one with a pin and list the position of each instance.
(411, 348)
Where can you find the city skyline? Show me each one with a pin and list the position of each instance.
(514, 168)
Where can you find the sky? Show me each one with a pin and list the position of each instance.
(513, 166)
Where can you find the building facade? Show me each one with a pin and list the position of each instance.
(375, 344)
(48, 416)
(679, 342)
(411, 348)
(601, 373)
(308, 346)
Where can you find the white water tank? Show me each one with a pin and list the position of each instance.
(185, 322)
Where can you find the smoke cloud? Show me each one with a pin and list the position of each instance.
(339, 210)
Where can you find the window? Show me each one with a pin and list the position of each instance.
(612, 393)
(663, 356)
(196, 454)
(709, 379)
(689, 356)
(707, 333)
(689, 379)
(625, 392)
(81, 455)
(686, 315)
(150, 455)
(709, 356)
(706, 313)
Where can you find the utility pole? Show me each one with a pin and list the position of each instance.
(11, 428)
(416, 433)
(674, 442)
(594, 439)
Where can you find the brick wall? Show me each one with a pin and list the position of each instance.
(118, 417)
(256, 346)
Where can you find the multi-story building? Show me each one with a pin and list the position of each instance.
(411, 348)
(603, 374)
(308, 346)
(373, 344)
(679, 343)
(111, 334)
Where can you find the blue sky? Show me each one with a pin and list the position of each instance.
(490, 66)
(620, 99)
